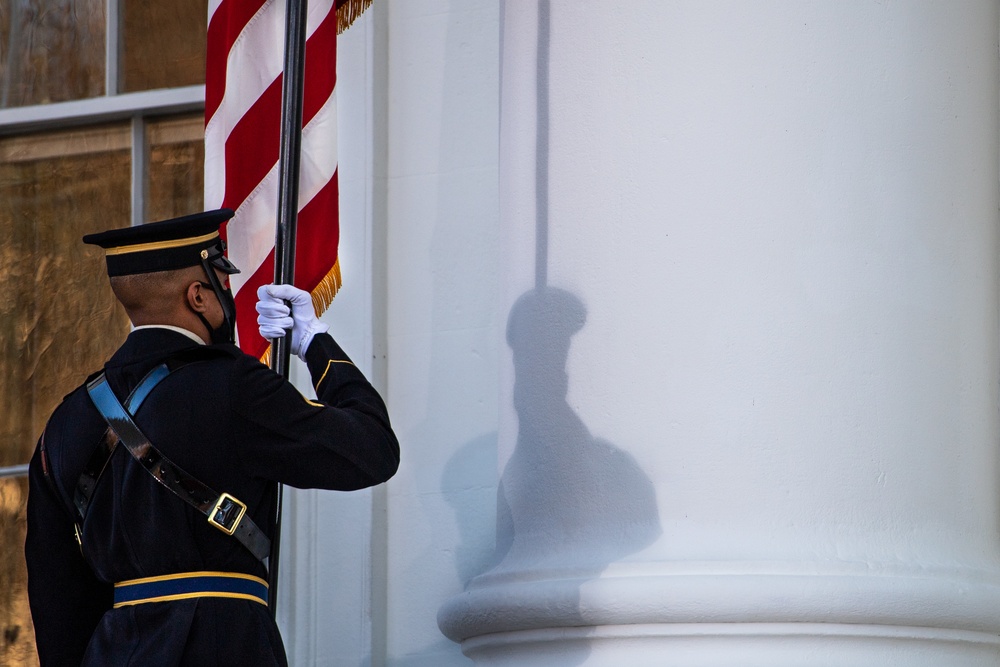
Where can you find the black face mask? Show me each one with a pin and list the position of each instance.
(225, 332)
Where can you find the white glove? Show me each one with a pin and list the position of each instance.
(274, 317)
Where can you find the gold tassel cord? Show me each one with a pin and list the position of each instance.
(348, 11)
(322, 296)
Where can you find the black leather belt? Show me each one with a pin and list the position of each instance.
(224, 511)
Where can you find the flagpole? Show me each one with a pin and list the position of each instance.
(292, 86)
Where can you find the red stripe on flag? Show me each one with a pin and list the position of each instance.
(321, 66)
(246, 313)
(254, 145)
(317, 221)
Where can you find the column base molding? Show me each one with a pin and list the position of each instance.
(911, 618)
(736, 645)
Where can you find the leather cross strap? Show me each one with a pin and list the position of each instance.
(105, 448)
(224, 512)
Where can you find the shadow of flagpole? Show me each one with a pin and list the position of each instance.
(542, 149)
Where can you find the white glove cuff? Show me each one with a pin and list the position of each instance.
(307, 336)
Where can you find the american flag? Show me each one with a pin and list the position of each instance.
(242, 124)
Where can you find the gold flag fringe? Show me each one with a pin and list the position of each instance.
(348, 11)
(322, 296)
(324, 293)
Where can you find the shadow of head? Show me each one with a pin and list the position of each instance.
(539, 330)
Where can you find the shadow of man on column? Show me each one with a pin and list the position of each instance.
(570, 499)
(566, 501)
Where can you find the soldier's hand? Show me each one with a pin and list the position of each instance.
(284, 307)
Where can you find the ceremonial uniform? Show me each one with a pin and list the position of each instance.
(234, 425)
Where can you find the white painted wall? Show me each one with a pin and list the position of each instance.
(443, 320)
(365, 573)
(326, 606)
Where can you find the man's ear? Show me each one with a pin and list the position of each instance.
(195, 297)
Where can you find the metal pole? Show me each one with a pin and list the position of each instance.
(288, 201)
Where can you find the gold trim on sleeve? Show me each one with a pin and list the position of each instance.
(327, 369)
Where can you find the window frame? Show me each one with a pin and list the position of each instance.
(136, 107)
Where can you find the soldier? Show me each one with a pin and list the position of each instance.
(152, 486)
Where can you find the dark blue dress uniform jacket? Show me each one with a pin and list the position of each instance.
(234, 425)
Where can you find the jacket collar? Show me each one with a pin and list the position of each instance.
(150, 344)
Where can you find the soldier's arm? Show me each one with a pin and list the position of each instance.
(338, 382)
(66, 600)
(341, 441)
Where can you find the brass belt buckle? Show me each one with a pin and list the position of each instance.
(222, 516)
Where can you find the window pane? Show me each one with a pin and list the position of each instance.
(17, 639)
(163, 43)
(58, 320)
(51, 51)
(176, 167)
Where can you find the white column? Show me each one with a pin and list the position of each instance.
(750, 412)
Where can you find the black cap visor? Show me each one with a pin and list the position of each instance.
(222, 263)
